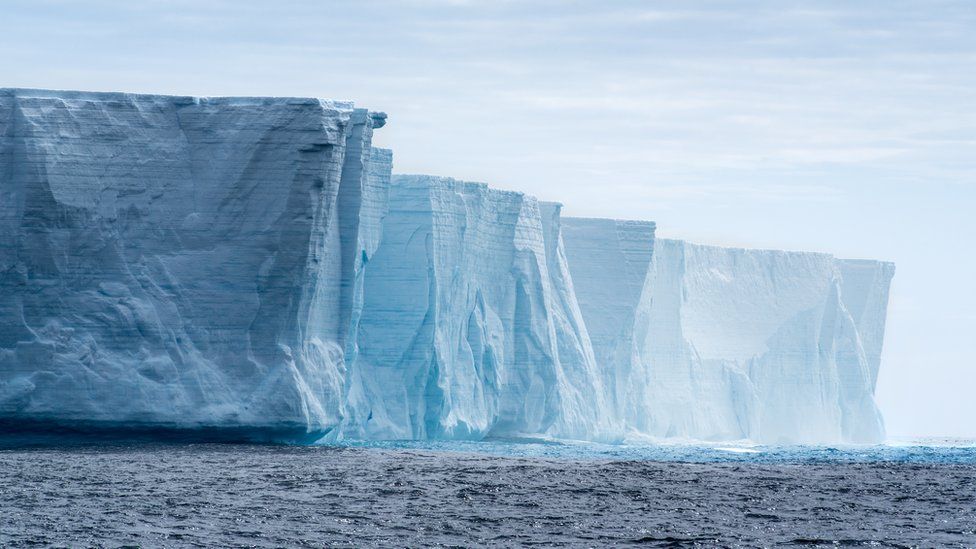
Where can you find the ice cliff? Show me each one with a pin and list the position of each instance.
(470, 326)
(721, 343)
(182, 262)
(248, 266)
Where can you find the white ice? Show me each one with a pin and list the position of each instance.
(247, 263)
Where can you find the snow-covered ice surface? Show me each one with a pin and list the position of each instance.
(247, 266)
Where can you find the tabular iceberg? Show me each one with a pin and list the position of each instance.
(181, 262)
(248, 266)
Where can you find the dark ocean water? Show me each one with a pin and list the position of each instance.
(502, 494)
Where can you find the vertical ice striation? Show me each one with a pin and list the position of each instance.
(864, 287)
(373, 210)
(179, 262)
(737, 344)
(587, 411)
(610, 262)
(464, 331)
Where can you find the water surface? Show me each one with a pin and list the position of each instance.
(501, 493)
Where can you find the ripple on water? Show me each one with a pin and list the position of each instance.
(498, 493)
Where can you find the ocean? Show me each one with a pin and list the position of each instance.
(495, 493)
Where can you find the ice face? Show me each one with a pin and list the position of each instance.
(610, 265)
(465, 331)
(732, 343)
(175, 261)
(247, 265)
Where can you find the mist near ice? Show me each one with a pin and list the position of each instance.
(830, 127)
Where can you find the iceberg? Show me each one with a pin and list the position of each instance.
(179, 262)
(249, 268)
(728, 344)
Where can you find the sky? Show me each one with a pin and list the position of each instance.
(846, 127)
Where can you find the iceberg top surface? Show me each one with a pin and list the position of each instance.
(330, 104)
(773, 252)
(607, 221)
(597, 223)
(439, 181)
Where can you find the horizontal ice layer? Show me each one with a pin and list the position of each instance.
(777, 347)
(469, 327)
(181, 262)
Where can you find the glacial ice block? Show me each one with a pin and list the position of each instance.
(247, 266)
(181, 262)
(469, 327)
(776, 347)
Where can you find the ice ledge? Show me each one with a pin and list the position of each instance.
(612, 220)
(345, 107)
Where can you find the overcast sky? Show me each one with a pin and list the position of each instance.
(845, 127)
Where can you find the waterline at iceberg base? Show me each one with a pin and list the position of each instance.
(248, 268)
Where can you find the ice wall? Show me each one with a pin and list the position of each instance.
(777, 347)
(610, 265)
(247, 266)
(469, 327)
(181, 262)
